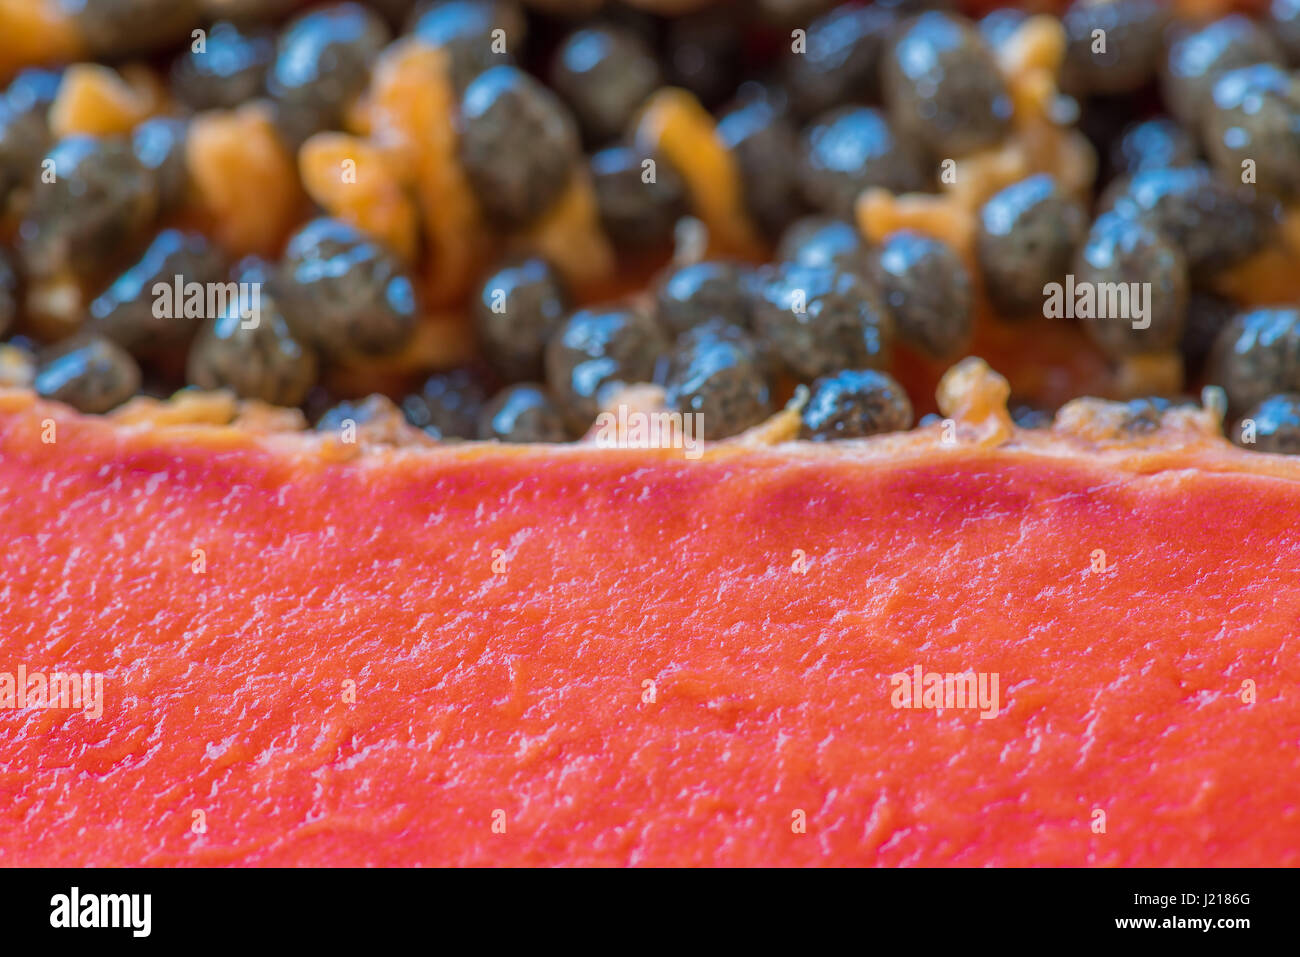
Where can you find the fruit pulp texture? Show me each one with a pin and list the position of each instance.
(619, 657)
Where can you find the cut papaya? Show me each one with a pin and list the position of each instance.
(484, 655)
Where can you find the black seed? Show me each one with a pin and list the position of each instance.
(840, 64)
(1198, 57)
(1283, 24)
(516, 312)
(230, 70)
(1123, 251)
(1254, 115)
(251, 350)
(1213, 223)
(761, 137)
(1031, 416)
(100, 200)
(448, 403)
(89, 373)
(8, 292)
(159, 145)
(518, 144)
(464, 29)
(121, 27)
(372, 410)
(24, 133)
(322, 61)
(943, 86)
(691, 295)
(604, 73)
(636, 213)
(1153, 144)
(345, 293)
(522, 413)
(1028, 234)
(999, 26)
(1256, 355)
(1133, 37)
(1207, 314)
(126, 312)
(716, 371)
(851, 149)
(703, 53)
(593, 352)
(1277, 425)
(927, 288)
(820, 319)
(855, 403)
(824, 241)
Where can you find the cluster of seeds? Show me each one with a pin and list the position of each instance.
(804, 107)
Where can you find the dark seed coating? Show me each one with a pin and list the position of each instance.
(690, 295)
(8, 292)
(854, 403)
(943, 86)
(120, 27)
(24, 134)
(1257, 354)
(824, 241)
(1254, 118)
(345, 293)
(999, 26)
(820, 319)
(1127, 53)
(251, 350)
(636, 213)
(100, 199)
(1207, 314)
(1124, 251)
(230, 69)
(516, 312)
(144, 320)
(522, 413)
(719, 377)
(1198, 57)
(927, 288)
(89, 373)
(322, 61)
(518, 144)
(841, 62)
(593, 351)
(1153, 144)
(159, 145)
(1277, 425)
(703, 51)
(464, 29)
(604, 73)
(1028, 234)
(448, 403)
(1030, 416)
(763, 140)
(850, 149)
(1283, 24)
(1214, 224)
(375, 416)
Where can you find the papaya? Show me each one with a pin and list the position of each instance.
(966, 644)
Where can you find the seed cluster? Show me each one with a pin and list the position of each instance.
(742, 262)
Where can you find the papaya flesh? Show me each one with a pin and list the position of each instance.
(524, 655)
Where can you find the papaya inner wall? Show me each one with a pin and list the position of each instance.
(516, 680)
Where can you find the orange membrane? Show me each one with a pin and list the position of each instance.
(479, 654)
